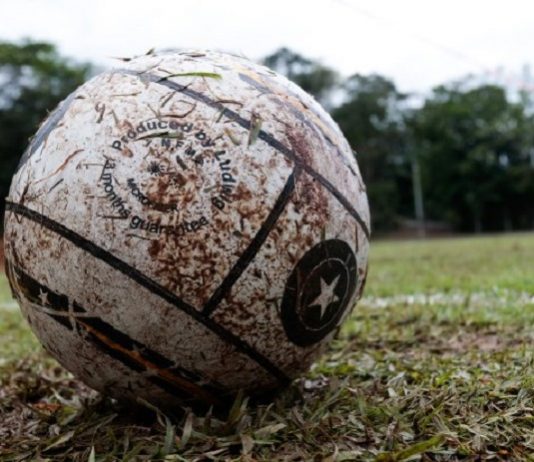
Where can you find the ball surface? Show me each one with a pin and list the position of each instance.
(187, 226)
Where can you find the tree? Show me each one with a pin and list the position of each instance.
(475, 150)
(34, 79)
(372, 119)
(310, 75)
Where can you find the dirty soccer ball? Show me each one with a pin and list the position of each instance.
(187, 226)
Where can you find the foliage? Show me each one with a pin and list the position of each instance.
(475, 149)
(474, 146)
(435, 363)
(372, 120)
(312, 76)
(34, 79)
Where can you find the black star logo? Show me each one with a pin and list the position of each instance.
(318, 291)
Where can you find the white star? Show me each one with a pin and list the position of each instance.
(327, 295)
(43, 295)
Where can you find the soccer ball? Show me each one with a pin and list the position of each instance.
(187, 226)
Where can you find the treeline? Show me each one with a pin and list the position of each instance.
(462, 159)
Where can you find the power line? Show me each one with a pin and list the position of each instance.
(457, 54)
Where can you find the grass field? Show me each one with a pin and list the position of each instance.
(436, 363)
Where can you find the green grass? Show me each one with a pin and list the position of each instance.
(436, 363)
(452, 265)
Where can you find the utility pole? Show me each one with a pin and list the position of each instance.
(418, 196)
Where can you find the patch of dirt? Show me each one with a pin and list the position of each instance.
(481, 341)
(1, 255)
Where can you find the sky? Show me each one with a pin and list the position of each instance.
(417, 43)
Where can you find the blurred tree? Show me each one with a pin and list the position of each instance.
(372, 119)
(475, 148)
(312, 76)
(34, 78)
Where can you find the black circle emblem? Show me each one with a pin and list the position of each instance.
(318, 291)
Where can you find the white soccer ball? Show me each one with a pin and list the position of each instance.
(187, 226)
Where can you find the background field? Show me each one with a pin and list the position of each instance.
(436, 363)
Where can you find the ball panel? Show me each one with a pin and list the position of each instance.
(67, 269)
(252, 310)
(187, 231)
(284, 109)
(99, 369)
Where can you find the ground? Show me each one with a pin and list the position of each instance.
(436, 363)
